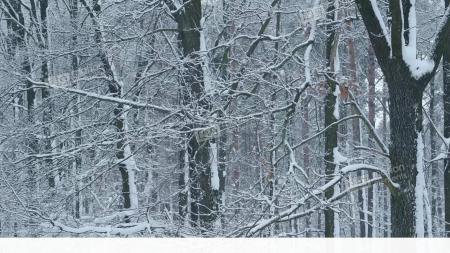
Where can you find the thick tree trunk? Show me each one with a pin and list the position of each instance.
(446, 78)
(204, 202)
(47, 112)
(406, 87)
(405, 123)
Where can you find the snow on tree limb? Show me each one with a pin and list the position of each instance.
(320, 190)
(103, 97)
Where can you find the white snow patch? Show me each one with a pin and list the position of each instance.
(419, 190)
(215, 181)
(337, 62)
(337, 227)
(417, 67)
(338, 157)
(204, 56)
(307, 55)
(131, 167)
(336, 93)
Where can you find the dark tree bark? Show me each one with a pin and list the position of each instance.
(446, 76)
(385, 135)
(330, 117)
(204, 199)
(405, 109)
(73, 5)
(433, 152)
(47, 111)
(18, 42)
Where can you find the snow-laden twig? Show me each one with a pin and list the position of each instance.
(103, 97)
(393, 187)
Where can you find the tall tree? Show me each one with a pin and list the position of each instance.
(125, 158)
(446, 97)
(371, 107)
(202, 153)
(331, 111)
(407, 78)
(75, 62)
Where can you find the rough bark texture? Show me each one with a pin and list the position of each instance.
(446, 75)
(47, 113)
(433, 153)
(405, 123)
(356, 128)
(330, 104)
(73, 4)
(204, 200)
(385, 135)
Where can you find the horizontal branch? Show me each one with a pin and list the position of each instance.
(103, 97)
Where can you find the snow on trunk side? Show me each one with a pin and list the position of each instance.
(381, 22)
(336, 93)
(338, 159)
(204, 56)
(311, 37)
(417, 67)
(128, 156)
(419, 190)
(187, 186)
(130, 164)
(215, 181)
(428, 213)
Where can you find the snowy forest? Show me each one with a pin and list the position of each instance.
(224, 118)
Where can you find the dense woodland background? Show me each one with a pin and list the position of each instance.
(214, 118)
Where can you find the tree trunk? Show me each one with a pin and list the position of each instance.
(125, 157)
(446, 78)
(204, 202)
(330, 111)
(48, 107)
(385, 135)
(405, 109)
(356, 128)
(371, 107)
(73, 5)
(434, 178)
(18, 42)
(306, 155)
